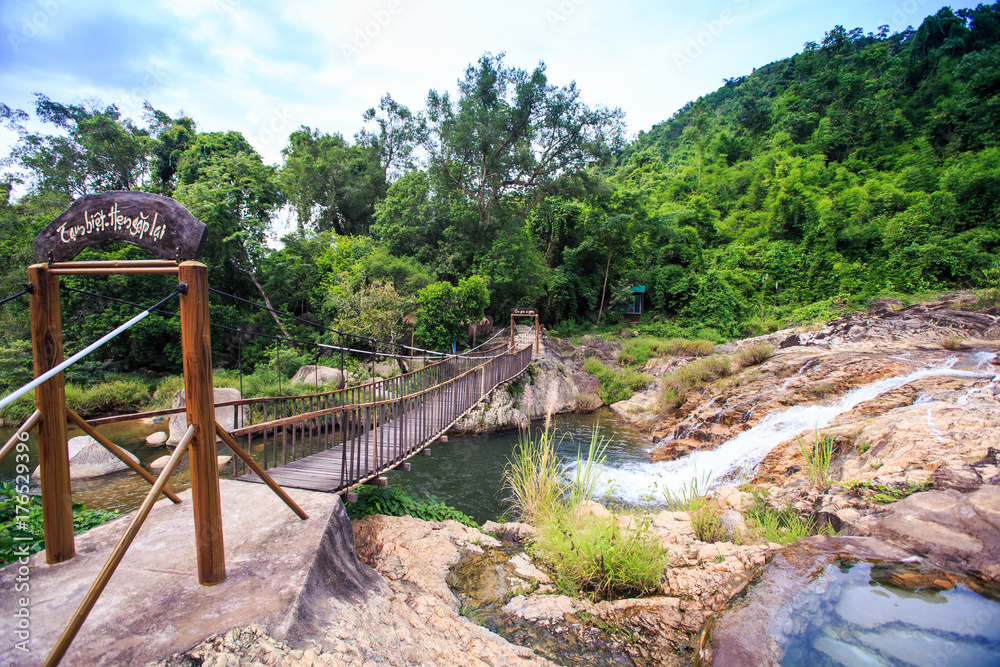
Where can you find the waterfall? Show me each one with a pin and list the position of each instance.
(739, 457)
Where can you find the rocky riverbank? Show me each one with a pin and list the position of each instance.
(912, 418)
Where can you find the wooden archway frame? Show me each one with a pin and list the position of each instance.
(524, 312)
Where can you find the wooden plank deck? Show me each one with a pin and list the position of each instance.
(324, 471)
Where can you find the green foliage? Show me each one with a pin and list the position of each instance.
(638, 351)
(781, 526)
(707, 523)
(532, 477)
(598, 555)
(616, 384)
(393, 501)
(21, 523)
(754, 354)
(589, 552)
(689, 377)
(818, 457)
(446, 312)
(883, 494)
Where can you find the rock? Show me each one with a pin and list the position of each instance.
(88, 458)
(526, 569)
(318, 375)
(226, 416)
(544, 609)
(160, 463)
(952, 530)
(157, 439)
(733, 526)
(512, 531)
(223, 460)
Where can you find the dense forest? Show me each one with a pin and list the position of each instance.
(866, 165)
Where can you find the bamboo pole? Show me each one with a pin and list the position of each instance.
(69, 634)
(28, 424)
(196, 348)
(50, 400)
(117, 451)
(264, 477)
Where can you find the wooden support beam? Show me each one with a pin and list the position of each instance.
(257, 470)
(378, 481)
(196, 346)
(118, 451)
(426, 451)
(15, 438)
(350, 497)
(403, 467)
(59, 650)
(443, 438)
(50, 400)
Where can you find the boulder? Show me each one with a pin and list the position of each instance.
(160, 463)
(226, 416)
(319, 375)
(88, 458)
(733, 526)
(157, 439)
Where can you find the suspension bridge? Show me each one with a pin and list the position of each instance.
(330, 442)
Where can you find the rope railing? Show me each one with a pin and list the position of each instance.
(373, 431)
(17, 393)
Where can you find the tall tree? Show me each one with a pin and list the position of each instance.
(332, 185)
(510, 132)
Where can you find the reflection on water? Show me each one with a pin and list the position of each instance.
(465, 472)
(889, 614)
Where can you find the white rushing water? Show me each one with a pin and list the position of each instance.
(739, 457)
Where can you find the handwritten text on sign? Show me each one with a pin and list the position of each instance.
(112, 220)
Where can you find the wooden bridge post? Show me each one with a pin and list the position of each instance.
(50, 400)
(536, 333)
(512, 330)
(196, 346)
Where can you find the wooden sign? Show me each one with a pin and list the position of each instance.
(523, 311)
(159, 225)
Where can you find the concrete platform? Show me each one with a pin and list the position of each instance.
(153, 607)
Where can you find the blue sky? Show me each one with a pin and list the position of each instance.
(265, 68)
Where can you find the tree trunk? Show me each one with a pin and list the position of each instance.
(604, 289)
(267, 302)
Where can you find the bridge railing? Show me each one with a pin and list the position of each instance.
(374, 425)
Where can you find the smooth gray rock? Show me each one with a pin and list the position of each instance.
(226, 416)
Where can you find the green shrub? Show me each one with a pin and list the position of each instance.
(393, 501)
(16, 524)
(616, 385)
(953, 342)
(596, 554)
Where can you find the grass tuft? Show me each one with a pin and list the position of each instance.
(818, 458)
(691, 377)
(754, 354)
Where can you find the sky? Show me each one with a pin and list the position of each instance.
(267, 68)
